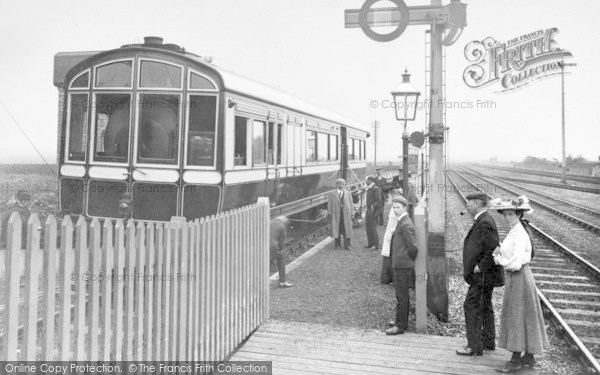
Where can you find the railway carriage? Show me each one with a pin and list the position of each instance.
(150, 131)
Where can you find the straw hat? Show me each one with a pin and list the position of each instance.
(521, 203)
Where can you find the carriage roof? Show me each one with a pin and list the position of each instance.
(233, 82)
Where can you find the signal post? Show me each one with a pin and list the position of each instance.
(451, 19)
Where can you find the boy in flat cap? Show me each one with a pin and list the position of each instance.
(403, 251)
(482, 275)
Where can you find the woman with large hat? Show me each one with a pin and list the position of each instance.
(522, 326)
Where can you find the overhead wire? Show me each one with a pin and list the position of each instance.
(27, 137)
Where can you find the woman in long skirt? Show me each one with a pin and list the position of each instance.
(522, 328)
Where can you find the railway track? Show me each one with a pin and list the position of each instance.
(568, 286)
(572, 177)
(584, 216)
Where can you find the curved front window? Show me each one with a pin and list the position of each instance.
(154, 74)
(158, 129)
(202, 126)
(114, 75)
(112, 114)
(77, 127)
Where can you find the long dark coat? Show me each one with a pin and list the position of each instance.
(404, 244)
(343, 209)
(478, 247)
(374, 201)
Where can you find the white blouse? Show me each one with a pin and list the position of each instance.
(515, 250)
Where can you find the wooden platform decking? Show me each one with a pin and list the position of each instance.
(303, 348)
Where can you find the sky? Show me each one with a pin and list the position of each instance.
(302, 47)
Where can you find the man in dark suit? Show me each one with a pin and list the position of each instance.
(403, 250)
(482, 275)
(278, 230)
(381, 181)
(374, 206)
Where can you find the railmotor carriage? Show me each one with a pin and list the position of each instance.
(151, 131)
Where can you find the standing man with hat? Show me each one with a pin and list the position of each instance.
(482, 275)
(374, 206)
(404, 250)
(340, 206)
(380, 181)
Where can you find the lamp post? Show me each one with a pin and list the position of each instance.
(405, 105)
(562, 65)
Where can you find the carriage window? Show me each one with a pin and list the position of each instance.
(241, 135)
(158, 129)
(364, 150)
(311, 146)
(112, 127)
(356, 149)
(197, 82)
(322, 147)
(78, 129)
(279, 143)
(360, 155)
(351, 149)
(157, 74)
(201, 128)
(298, 144)
(117, 74)
(333, 147)
(290, 145)
(81, 82)
(271, 143)
(258, 142)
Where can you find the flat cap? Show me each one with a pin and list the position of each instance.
(400, 199)
(477, 195)
(378, 168)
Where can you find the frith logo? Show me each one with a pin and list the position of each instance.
(514, 63)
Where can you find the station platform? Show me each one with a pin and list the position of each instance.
(305, 348)
(333, 320)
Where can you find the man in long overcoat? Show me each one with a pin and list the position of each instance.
(404, 250)
(340, 207)
(482, 275)
(374, 206)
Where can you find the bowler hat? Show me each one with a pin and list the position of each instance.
(477, 195)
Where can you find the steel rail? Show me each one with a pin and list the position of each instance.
(574, 177)
(589, 226)
(584, 354)
(586, 209)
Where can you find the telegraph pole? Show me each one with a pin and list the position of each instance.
(375, 126)
(564, 157)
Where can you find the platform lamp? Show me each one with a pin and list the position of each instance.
(405, 97)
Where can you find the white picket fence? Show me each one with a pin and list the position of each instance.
(134, 290)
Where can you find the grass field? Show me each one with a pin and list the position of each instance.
(37, 179)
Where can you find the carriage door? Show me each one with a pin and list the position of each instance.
(156, 167)
(135, 142)
(343, 152)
